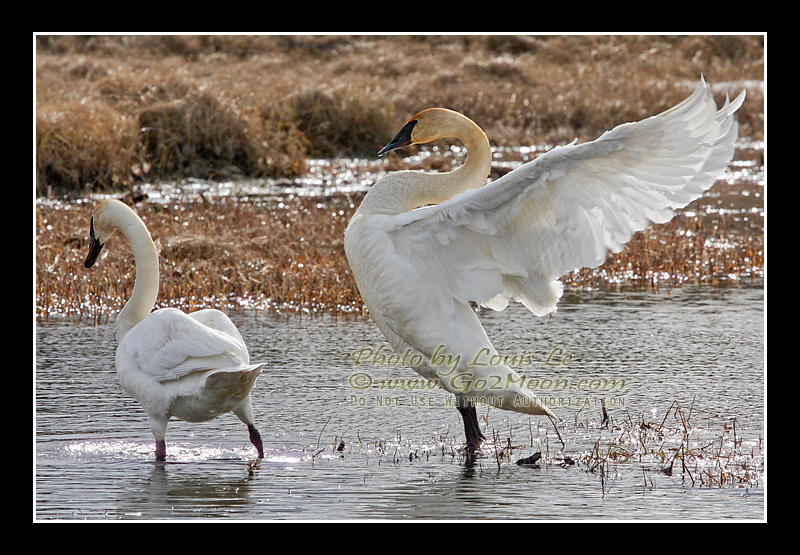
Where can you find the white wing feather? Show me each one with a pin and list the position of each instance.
(513, 238)
(169, 344)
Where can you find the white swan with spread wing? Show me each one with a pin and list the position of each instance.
(194, 366)
(422, 245)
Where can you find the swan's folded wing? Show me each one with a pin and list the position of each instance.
(169, 344)
(513, 238)
(220, 322)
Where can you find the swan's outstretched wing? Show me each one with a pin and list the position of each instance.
(513, 238)
(169, 344)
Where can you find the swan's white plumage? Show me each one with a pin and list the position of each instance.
(194, 366)
(169, 344)
(511, 239)
(568, 208)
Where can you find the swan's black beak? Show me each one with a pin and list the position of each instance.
(94, 247)
(403, 138)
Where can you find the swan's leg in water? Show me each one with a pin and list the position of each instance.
(245, 413)
(161, 450)
(255, 439)
(158, 426)
(470, 417)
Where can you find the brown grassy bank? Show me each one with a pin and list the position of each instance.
(113, 111)
(288, 254)
(221, 255)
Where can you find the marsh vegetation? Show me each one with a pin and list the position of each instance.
(135, 116)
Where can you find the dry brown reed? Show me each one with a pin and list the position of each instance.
(700, 447)
(685, 249)
(113, 111)
(693, 445)
(286, 254)
(222, 255)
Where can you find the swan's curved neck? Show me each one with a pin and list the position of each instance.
(414, 189)
(145, 289)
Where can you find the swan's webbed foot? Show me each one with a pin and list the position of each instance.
(255, 439)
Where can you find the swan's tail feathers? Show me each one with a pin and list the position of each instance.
(232, 384)
(249, 370)
(207, 395)
(257, 368)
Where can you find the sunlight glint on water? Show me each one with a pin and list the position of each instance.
(328, 457)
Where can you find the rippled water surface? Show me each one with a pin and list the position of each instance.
(340, 448)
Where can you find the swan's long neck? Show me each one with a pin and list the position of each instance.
(404, 191)
(145, 289)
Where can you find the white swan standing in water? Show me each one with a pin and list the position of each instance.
(189, 366)
(423, 245)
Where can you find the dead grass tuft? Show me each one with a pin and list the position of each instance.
(339, 124)
(198, 136)
(113, 111)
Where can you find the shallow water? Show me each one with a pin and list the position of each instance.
(340, 448)
(344, 176)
